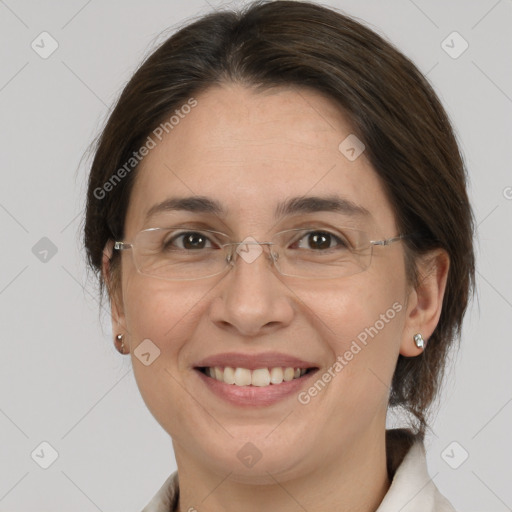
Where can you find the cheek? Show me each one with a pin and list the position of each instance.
(362, 322)
(362, 327)
(160, 310)
(361, 308)
(160, 318)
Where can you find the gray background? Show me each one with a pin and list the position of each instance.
(61, 380)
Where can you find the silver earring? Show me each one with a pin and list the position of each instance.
(418, 339)
(119, 337)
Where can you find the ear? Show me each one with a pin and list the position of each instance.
(425, 300)
(114, 291)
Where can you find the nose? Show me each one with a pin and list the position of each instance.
(252, 298)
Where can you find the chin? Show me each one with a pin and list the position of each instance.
(257, 459)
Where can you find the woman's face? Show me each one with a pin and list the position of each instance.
(250, 152)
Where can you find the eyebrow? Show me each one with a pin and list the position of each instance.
(292, 206)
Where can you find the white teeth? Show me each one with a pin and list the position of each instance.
(229, 375)
(219, 374)
(242, 377)
(276, 375)
(260, 377)
(288, 374)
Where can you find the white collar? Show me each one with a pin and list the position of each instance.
(412, 489)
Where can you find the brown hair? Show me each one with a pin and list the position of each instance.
(392, 108)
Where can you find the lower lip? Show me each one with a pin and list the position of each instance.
(255, 395)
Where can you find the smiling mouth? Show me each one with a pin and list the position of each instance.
(259, 377)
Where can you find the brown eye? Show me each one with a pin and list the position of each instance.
(321, 240)
(191, 240)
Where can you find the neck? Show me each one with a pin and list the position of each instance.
(355, 481)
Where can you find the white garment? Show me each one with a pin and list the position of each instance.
(411, 490)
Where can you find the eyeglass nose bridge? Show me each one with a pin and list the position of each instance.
(247, 255)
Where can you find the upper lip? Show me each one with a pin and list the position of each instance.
(254, 361)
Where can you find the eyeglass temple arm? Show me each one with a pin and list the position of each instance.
(122, 246)
(388, 241)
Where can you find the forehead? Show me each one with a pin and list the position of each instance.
(250, 151)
